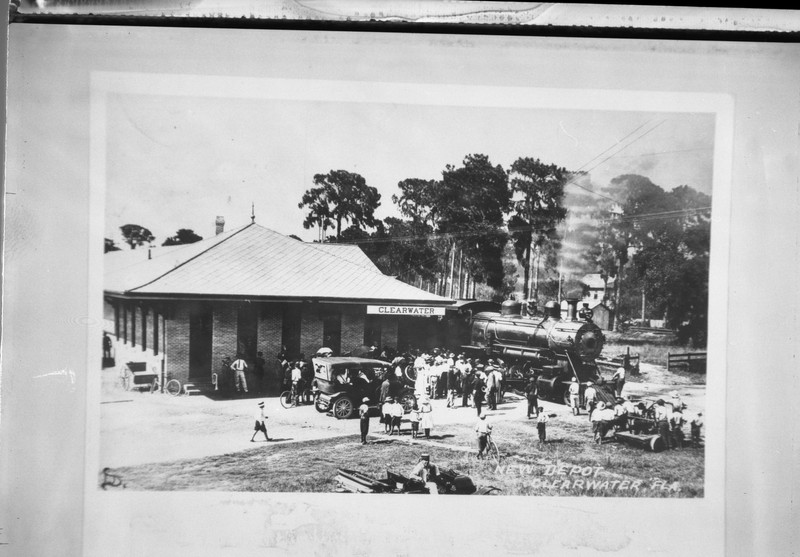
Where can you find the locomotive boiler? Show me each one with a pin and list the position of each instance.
(552, 348)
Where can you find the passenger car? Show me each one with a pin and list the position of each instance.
(343, 382)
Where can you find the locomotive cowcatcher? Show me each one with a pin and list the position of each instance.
(552, 349)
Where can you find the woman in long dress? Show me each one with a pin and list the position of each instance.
(426, 411)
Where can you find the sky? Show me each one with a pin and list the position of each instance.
(179, 161)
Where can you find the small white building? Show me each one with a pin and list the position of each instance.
(595, 290)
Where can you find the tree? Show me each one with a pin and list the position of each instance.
(110, 245)
(136, 235)
(417, 199)
(340, 196)
(470, 204)
(182, 236)
(537, 191)
(660, 242)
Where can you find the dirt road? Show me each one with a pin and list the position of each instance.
(139, 428)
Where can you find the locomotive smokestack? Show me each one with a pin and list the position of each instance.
(572, 309)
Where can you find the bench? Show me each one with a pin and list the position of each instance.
(691, 361)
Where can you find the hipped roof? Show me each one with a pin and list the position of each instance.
(256, 262)
(595, 281)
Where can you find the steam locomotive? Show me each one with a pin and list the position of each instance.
(553, 349)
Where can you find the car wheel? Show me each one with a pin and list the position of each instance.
(410, 373)
(343, 408)
(407, 400)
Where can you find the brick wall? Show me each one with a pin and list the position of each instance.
(352, 327)
(176, 329)
(389, 332)
(224, 338)
(270, 330)
(310, 332)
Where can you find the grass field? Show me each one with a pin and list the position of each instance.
(569, 465)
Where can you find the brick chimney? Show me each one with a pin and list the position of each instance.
(220, 222)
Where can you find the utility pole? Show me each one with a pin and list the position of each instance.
(643, 303)
(450, 274)
(460, 261)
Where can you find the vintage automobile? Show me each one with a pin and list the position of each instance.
(343, 382)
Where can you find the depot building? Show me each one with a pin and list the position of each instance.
(183, 309)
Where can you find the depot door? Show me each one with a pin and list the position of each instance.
(200, 328)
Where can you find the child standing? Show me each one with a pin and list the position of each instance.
(386, 414)
(415, 418)
(541, 425)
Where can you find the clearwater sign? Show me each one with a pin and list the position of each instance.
(420, 311)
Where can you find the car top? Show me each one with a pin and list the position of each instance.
(344, 361)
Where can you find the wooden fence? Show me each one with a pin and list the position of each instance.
(690, 361)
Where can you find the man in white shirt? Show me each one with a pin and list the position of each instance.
(297, 378)
(575, 396)
(590, 396)
(663, 418)
(619, 380)
(482, 429)
(239, 366)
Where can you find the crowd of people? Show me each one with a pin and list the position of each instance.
(669, 418)
(480, 383)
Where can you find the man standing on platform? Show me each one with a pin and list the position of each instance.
(239, 366)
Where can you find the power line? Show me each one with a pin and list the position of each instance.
(573, 182)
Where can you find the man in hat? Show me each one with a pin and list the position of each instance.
(466, 385)
(619, 380)
(541, 425)
(620, 414)
(478, 389)
(532, 394)
(662, 421)
(590, 396)
(491, 387)
(363, 414)
(696, 426)
(482, 429)
(425, 471)
(677, 403)
(261, 425)
(575, 396)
